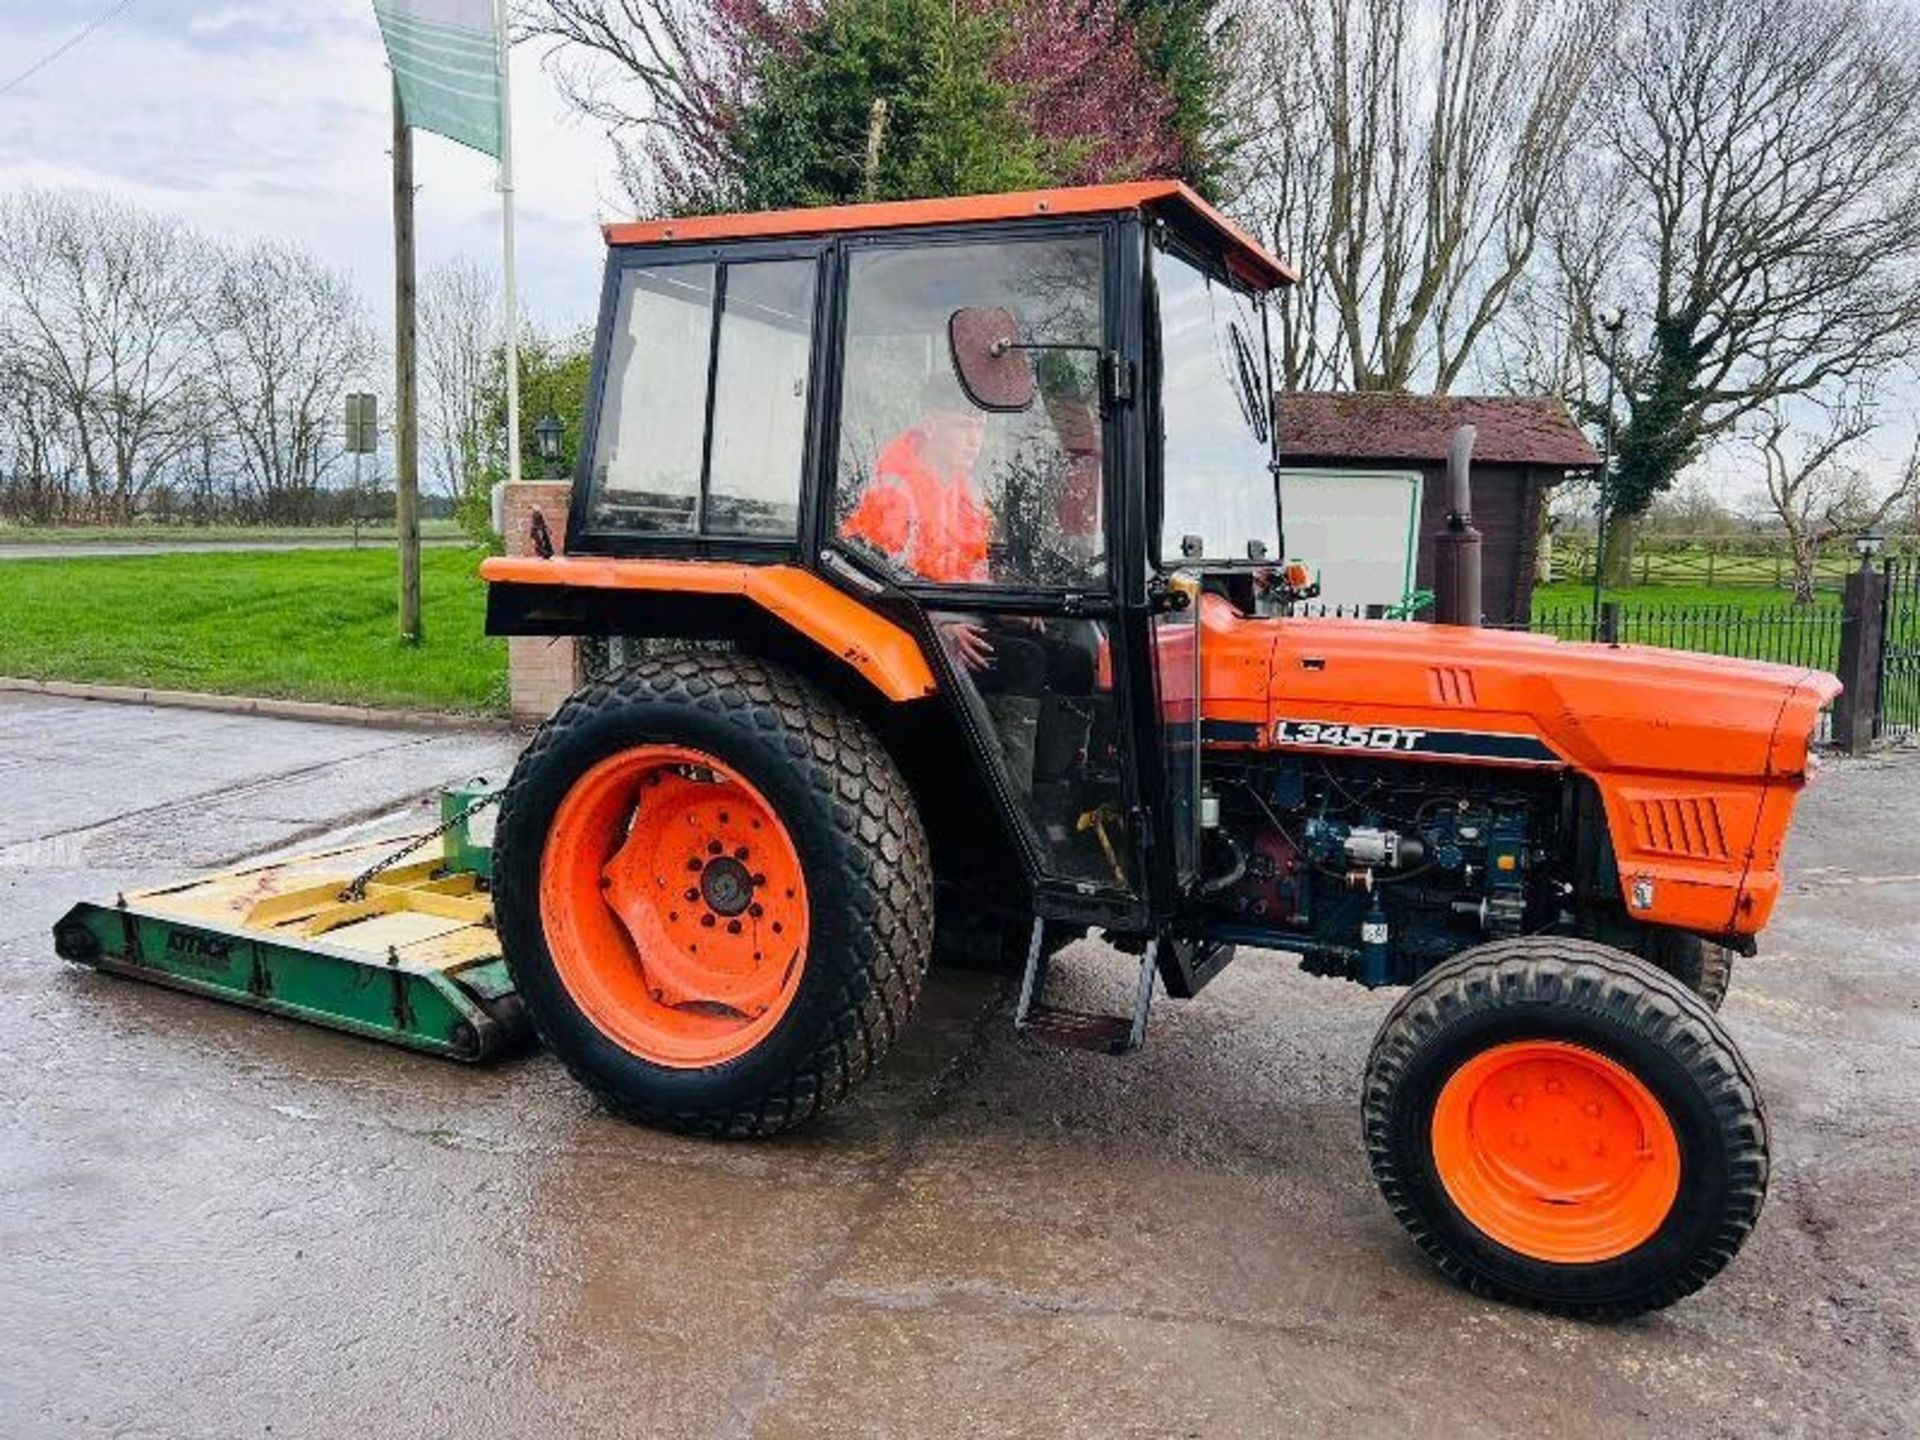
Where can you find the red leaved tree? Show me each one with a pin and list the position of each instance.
(1078, 79)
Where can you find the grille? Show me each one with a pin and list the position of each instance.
(1683, 825)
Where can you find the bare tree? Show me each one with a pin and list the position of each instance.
(1757, 165)
(659, 75)
(1411, 152)
(37, 471)
(459, 335)
(103, 303)
(1814, 487)
(287, 338)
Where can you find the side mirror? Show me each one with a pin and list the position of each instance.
(993, 369)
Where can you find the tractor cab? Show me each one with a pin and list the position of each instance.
(994, 445)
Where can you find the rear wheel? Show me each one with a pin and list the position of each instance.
(1562, 1124)
(713, 892)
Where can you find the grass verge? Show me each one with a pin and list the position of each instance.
(301, 625)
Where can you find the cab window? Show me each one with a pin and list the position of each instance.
(933, 484)
(703, 415)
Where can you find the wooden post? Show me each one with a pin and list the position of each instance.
(406, 380)
(1862, 622)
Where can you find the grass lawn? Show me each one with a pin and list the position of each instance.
(1565, 595)
(304, 625)
(1753, 623)
(123, 534)
(1661, 564)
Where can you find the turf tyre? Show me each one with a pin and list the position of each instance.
(862, 851)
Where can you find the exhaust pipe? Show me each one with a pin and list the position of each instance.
(1456, 549)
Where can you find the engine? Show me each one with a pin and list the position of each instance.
(1375, 870)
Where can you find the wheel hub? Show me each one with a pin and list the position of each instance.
(726, 885)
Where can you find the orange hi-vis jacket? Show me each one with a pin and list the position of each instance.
(928, 521)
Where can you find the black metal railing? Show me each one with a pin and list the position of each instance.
(1897, 713)
(1786, 634)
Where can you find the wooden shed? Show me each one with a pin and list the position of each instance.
(1524, 446)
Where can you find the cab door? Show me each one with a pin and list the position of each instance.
(988, 508)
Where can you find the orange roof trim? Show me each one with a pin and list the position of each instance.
(1244, 254)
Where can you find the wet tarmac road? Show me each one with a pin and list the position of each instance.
(215, 1223)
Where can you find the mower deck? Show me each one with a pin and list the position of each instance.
(412, 959)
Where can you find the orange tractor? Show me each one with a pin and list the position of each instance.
(943, 544)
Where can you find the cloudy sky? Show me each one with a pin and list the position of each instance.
(258, 119)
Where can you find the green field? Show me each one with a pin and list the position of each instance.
(1661, 564)
(141, 534)
(305, 625)
(1753, 624)
(1566, 595)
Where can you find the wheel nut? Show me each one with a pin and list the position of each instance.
(707, 921)
(714, 847)
(756, 910)
(740, 852)
(693, 892)
(733, 927)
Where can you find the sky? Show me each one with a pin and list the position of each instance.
(273, 119)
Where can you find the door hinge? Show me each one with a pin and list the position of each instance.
(1116, 378)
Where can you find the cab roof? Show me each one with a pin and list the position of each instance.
(1244, 255)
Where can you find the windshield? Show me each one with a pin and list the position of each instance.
(1217, 493)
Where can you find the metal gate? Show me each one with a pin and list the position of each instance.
(1897, 708)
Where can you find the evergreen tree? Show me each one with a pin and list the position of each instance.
(882, 99)
(1182, 43)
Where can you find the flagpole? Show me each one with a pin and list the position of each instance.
(512, 307)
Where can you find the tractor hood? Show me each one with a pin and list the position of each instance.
(1457, 693)
(1697, 759)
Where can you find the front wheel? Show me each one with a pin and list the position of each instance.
(714, 894)
(1565, 1125)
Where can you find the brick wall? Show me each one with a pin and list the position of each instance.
(541, 671)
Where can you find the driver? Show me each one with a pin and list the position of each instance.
(923, 509)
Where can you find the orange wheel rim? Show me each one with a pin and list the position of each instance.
(674, 906)
(1556, 1151)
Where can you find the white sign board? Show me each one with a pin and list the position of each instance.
(1359, 528)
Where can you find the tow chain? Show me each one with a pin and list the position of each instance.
(357, 887)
